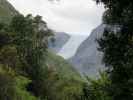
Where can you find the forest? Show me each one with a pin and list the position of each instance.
(29, 71)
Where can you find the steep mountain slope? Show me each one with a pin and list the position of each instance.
(58, 63)
(56, 42)
(69, 49)
(63, 82)
(6, 11)
(88, 59)
(61, 66)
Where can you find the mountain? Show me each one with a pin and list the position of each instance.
(61, 66)
(64, 44)
(6, 11)
(56, 42)
(87, 59)
(70, 48)
(60, 82)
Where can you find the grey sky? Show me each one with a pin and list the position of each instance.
(72, 16)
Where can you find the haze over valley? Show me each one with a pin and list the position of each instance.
(66, 50)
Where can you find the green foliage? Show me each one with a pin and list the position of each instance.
(118, 12)
(21, 91)
(96, 89)
(24, 55)
(9, 57)
(7, 11)
(28, 71)
(13, 87)
(31, 48)
(55, 83)
(118, 47)
(7, 89)
(119, 59)
(69, 89)
(62, 88)
(58, 64)
(21, 52)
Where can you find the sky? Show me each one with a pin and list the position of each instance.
(71, 16)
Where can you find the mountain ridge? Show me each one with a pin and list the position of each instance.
(57, 41)
(7, 11)
(88, 60)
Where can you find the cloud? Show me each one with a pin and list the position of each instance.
(72, 16)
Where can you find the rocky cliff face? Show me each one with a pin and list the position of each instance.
(70, 48)
(87, 59)
(56, 42)
(64, 44)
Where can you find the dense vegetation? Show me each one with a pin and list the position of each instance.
(28, 71)
(117, 47)
(6, 11)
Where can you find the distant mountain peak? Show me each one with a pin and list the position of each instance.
(56, 42)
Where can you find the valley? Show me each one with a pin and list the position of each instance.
(48, 50)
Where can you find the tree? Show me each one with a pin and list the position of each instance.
(31, 48)
(97, 89)
(118, 47)
(7, 89)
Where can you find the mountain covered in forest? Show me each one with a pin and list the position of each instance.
(28, 69)
(87, 59)
(7, 11)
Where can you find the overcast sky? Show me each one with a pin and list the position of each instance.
(72, 16)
